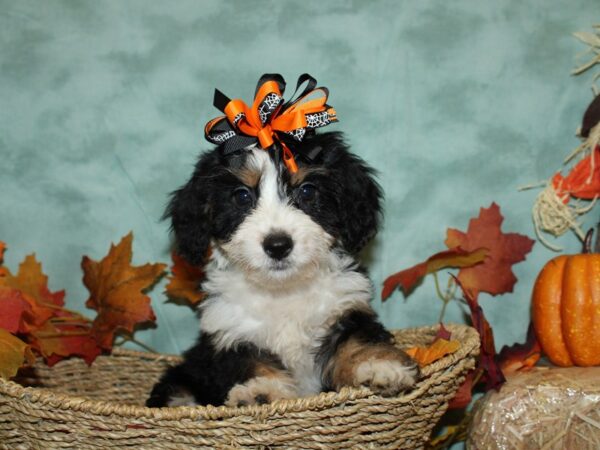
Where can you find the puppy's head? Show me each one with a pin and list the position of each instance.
(270, 223)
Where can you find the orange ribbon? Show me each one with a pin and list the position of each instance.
(247, 121)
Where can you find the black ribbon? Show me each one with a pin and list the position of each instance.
(221, 132)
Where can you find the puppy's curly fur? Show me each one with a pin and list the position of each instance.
(288, 311)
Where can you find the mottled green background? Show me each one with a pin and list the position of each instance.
(457, 104)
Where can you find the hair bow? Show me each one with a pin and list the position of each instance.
(264, 122)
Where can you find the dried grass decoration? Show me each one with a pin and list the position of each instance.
(553, 211)
(592, 40)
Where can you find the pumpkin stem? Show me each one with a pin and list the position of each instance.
(587, 242)
(597, 246)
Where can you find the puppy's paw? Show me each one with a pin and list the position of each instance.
(165, 394)
(383, 368)
(261, 390)
(182, 398)
(386, 377)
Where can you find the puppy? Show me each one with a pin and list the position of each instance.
(287, 312)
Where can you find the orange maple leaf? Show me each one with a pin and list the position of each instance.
(438, 349)
(32, 284)
(117, 291)
(184, 283)
(494, 275)
(13, 353)
(30, 280)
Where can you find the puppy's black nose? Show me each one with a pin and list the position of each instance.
(278, 245)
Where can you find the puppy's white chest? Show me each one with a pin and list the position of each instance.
(289, 324)
(295, 339)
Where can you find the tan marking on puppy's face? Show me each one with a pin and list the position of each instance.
(298, 177)
(248, 175)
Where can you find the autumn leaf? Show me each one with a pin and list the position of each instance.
(30, 280)
(3, 270)
(520, 357)
(463, 395)
(13, 353)
(443, 333)
(455, 257)
(437, 350)
(32, 283)
(451, 434)
(28, 308)
(184, 283)
(441, 346)
(117, 291)
(14, 310)
(56, 341)
(494, 275)
(487, 357)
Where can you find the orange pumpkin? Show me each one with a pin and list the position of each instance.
(566, 309)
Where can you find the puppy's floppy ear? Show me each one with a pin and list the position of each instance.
(360, 203)
(190, 214)
(353, 189)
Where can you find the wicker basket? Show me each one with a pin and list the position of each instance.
(79, 407)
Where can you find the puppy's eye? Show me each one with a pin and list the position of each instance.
(307, 192)
(243, 197)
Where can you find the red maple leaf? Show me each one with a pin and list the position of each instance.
(463, 395)
(71, 336)
(455, 257)
(520, 357)
(14, 309)
(3, 270)
(487, 357)
(494, 275)
(443, 333)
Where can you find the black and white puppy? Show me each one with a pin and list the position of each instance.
(287, 312)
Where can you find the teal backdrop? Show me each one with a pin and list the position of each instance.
(456, 104)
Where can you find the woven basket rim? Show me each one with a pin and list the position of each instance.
(469, 346)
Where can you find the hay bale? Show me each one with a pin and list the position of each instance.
(546, 408)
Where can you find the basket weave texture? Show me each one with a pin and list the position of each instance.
(74, 406)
